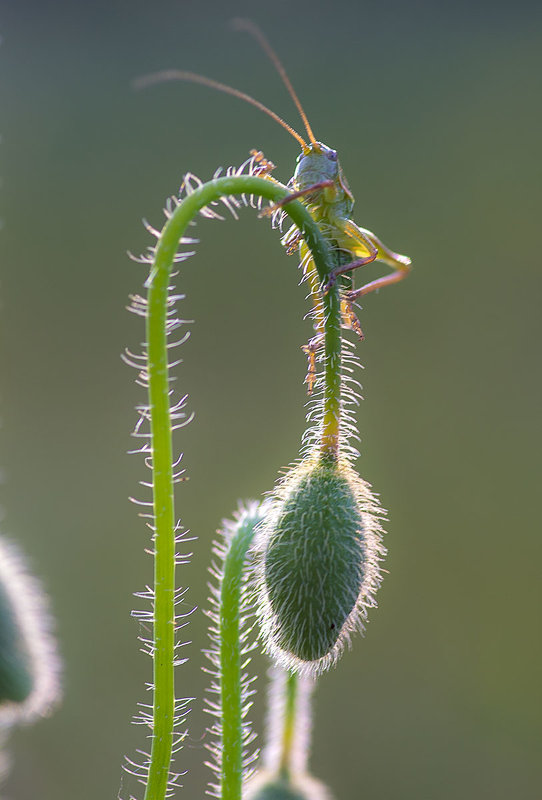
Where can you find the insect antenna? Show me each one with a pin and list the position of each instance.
(192, 77)
(241, 24)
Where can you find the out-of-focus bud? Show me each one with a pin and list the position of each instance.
(29, 664)
(274, 787)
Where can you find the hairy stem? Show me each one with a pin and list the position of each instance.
(164, 514)
(332, 375)
(163, 501)
(231, 694)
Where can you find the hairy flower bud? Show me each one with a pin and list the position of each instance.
(275, 787)
(318, 552)
(29, 665)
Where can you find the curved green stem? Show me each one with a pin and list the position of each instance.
(164, 569)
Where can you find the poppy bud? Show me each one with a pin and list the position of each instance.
(318, 553)
(29, 665)
(275, 787)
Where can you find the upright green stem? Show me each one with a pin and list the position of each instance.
(164, 602)
(231, 694)
(332, 375)
(164, 562)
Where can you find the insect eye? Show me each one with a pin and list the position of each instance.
(332, 155)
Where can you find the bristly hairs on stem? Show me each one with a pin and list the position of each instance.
(321, 512)
(159, 417)
(232, 618)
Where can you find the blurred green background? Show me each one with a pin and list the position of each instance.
(435, 110)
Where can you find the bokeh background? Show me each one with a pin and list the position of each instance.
(435, 109)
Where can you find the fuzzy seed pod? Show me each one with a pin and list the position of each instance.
(317, 555)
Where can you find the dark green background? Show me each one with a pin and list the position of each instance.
(435, 109)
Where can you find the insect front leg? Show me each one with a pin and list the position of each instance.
(316, 187)
(292, 240)
(263, 167)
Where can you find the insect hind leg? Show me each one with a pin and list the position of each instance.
(364, 239)
(401, 266)
(379, 283)
(311, 349)
(349, 318)
(359, 262)
(349, 321)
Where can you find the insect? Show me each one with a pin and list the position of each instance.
(320, 184)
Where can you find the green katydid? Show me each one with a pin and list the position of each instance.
(319, 183)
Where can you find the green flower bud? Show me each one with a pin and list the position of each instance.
(29, 665)
(15, 673)
(277, 790)
(275, 787)
(318, 554)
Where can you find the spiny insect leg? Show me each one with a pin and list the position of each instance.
(349, 318)
(291, 242)
(386, 280)
(311, 348)
(295, 196)
(263, 166)
(401, 265)
(359, 262)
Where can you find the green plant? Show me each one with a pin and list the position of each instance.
(306, 559)
(312, 549)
